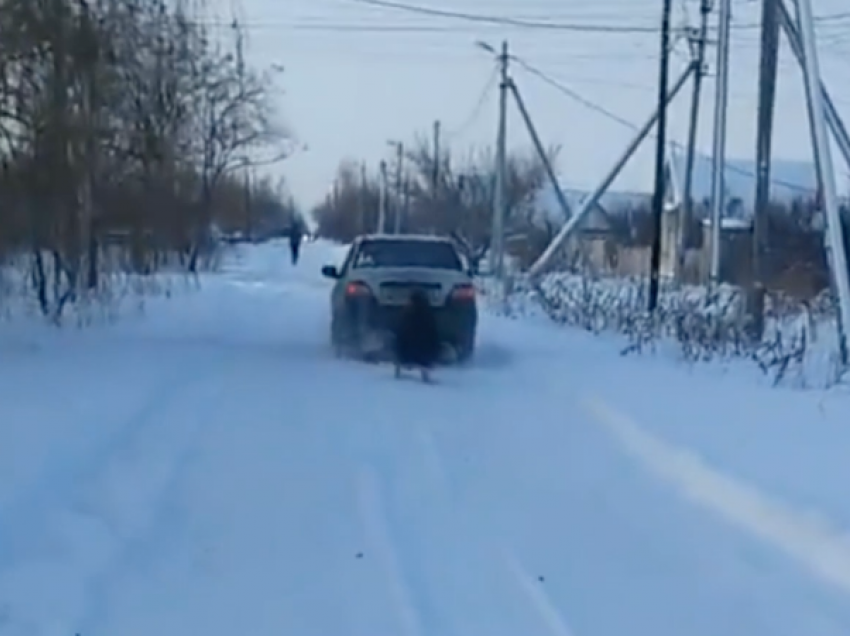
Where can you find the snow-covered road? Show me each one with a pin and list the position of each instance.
(211, 469)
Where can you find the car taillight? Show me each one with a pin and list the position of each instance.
(463, 293)
(357, 290)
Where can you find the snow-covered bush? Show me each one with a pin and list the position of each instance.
(120, 289)
(798, 346)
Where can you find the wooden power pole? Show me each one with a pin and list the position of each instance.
(764, 136)
(660, 158)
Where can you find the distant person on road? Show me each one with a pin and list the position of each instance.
(296, 235)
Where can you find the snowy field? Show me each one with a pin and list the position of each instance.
(209, 468)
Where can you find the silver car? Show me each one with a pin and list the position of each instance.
(374, 284)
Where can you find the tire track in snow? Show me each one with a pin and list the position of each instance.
(18, 518)
(542, 606)
(82, 537)
(183, 450)
(374, 517)
(551, 616)
(821, 549)
(434, 461)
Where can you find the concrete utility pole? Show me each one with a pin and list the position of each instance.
(399, 171)
(660, 157)
(407, 198)
(825, 170)
(718, 172)
(436, 175)
(686, 210)
(768, 69)
(364, 189)
(497, 241)
(382, 201)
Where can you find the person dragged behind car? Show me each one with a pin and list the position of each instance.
(416, 338)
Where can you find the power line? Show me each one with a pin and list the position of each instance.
(506, 21)
(475, 113)
(543, 24)
(574, 95)
(587, 103)
(482, 20)
(830, 42)
(332, 27)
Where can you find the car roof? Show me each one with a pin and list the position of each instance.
(394, 238)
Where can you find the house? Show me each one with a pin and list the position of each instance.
(613, 237)
(791, 181)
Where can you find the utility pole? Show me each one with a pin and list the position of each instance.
(399, 171)
(768, 69)
(436, 174)
(497, 242)
(826, 171)
(364, 189)
(249, 217)
(406, 206)
(718, 172)
(686, 209)
(660, 156)
(382, 201)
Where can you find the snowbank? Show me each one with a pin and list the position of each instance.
(124, 293)
(799, 346)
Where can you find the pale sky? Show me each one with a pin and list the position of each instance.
(348, 90)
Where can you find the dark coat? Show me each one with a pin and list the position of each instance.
(296, 233)
(417, 339)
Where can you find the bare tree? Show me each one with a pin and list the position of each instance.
(460, 200)
(121, 125)
(234, 121)
(351, 208)
(447, 195)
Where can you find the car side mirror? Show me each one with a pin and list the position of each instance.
(329, 271)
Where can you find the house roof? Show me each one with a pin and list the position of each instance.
(790, 179)
(548, 208)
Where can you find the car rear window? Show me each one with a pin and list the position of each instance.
(413, 253)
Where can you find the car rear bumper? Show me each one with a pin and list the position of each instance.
(456, 322)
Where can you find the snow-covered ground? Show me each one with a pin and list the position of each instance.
(209, 468)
